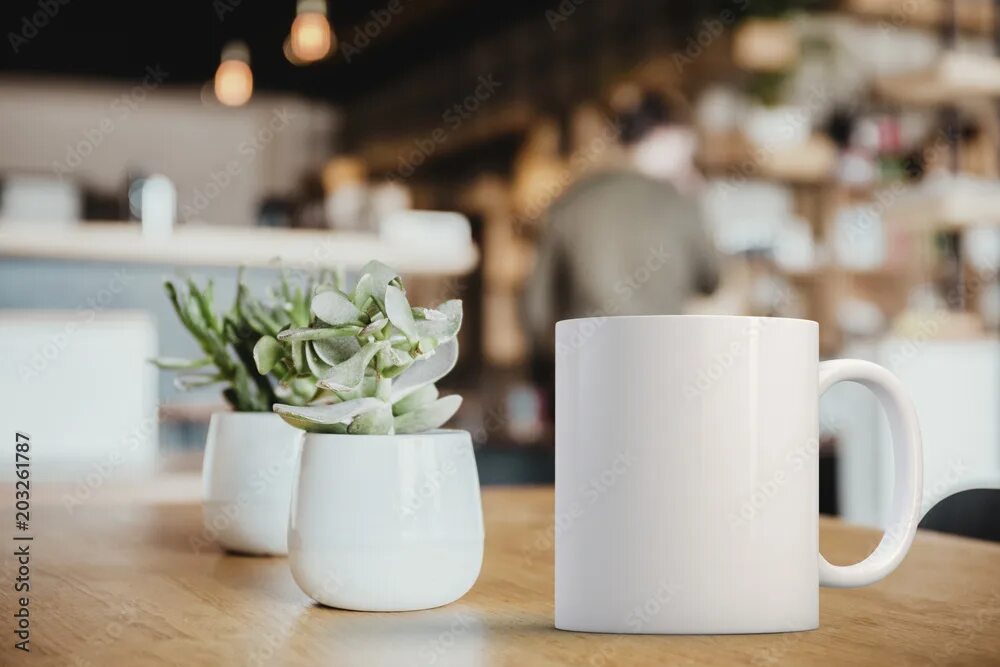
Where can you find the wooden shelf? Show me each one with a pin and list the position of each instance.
(946, 206)
(203, 245)
(972, 16)
(955, 78)
(812, 163)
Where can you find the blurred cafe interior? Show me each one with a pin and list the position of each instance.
(836, 160)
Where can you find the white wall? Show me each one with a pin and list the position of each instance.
(96, 132)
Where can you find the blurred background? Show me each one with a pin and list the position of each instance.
(836, 161)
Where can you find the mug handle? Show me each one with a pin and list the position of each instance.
(907, 476)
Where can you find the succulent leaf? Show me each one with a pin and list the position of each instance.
(362, 291)
(317, 366)
(382, 276)
(428, 417)
(428, 313)
(373, 422)
(349, 374)
(397, 309)
(421, 397)
(174, 364)
(336, 350)
(334, 308)
(196, 380)
(328, 414)
(267, 351)
(442, 329)
(318, 333)
(376, 326)
(426, 371)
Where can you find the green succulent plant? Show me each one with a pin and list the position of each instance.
(372, 359)
(228, 341)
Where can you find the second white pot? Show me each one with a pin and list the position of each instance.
(386, 522)
(248, 473)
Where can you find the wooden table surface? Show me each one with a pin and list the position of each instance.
(119, 583)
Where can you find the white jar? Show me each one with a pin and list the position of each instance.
(386, 522)
(249, 469)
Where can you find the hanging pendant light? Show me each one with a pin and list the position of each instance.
(233, 79)
(311, 38)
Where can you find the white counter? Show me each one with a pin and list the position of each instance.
(202, 245)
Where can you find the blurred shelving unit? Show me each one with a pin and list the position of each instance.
(977, 17)
(203, 245)
(955, 78)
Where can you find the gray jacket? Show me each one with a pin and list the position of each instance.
(617, 243)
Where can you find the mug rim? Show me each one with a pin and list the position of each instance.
(688, 318)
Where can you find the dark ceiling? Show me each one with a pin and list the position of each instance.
(117, 39)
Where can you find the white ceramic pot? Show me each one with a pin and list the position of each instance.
(249, 469)
(386, 522)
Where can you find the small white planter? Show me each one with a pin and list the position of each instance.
(386, 522)
(249, 469)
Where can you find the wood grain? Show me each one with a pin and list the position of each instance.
(120, 584)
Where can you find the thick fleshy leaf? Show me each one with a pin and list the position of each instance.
(426, 371)
(366, 388)
(317, 366)
(334, 308)
(326, 415)
(299, 356)
(381, 275)
(194, 381)
(418, 399)
(300, 390)
(175, 364)
(393, 362)
(362, 291)
(319, 333)
(428, 313)
(397, 308)
(373, 422)
(336, 350)
(442, 329)
(349, 374)
(428, 417)
(266, 353)
(376, 325)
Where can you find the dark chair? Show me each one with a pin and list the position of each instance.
(972, 513)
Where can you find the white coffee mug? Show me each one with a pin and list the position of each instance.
(687, 474)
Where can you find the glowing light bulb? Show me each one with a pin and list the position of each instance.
(233, 79)
(311, 37)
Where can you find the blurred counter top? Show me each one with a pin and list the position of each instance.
(212, 245)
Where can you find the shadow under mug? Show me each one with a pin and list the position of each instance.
(687, 474)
